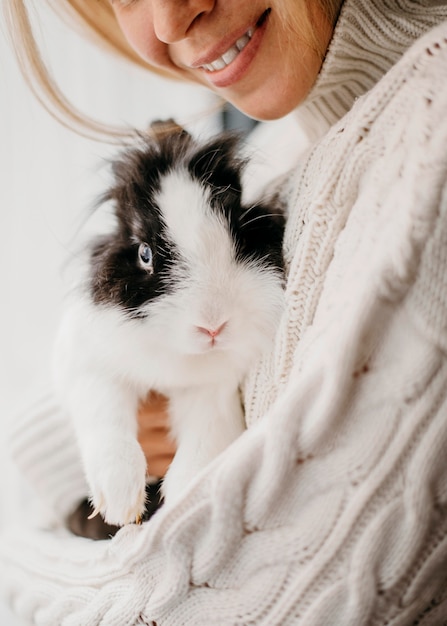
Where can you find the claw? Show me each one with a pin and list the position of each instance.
(96, 512)
(97, 509)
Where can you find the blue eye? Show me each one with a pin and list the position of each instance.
(146, 257)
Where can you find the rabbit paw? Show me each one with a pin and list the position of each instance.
(117, 480)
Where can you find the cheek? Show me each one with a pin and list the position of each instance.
(137, 27)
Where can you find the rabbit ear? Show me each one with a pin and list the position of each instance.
(160, 129)
(218, 163)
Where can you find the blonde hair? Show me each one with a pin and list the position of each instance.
(97, 21)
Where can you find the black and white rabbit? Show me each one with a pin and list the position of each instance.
(180, 298)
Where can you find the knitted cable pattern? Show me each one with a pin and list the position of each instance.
(331, 509)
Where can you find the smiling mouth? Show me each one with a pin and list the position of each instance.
(233, 52)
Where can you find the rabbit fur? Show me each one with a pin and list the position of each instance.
(181, 297)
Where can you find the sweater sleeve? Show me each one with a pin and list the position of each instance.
(43, 445)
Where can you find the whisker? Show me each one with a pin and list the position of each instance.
(221, 190)
(247, 211)
(260, 217)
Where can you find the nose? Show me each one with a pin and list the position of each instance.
(172, 19)
(212, 332)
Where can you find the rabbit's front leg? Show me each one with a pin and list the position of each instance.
(204, 422)
(104, 416)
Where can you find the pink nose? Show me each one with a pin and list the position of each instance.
(210, 331)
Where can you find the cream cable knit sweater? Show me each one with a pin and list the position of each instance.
(331, 510)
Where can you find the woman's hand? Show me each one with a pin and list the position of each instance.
(153, 434)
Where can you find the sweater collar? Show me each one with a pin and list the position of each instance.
(369, 38)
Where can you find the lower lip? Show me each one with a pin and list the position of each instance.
(237, 69)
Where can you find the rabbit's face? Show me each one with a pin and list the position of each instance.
(201, 272)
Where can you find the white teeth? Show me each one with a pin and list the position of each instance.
(219, 64)
(242, 42)
(229, 56)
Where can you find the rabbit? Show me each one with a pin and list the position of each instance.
(181, 298)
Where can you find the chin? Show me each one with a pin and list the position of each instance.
(265, 109)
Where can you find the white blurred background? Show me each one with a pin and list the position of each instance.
(49, 179)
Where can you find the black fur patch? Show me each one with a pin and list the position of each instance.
(258, 229)
(117, 277)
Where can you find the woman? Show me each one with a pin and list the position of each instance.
(331, 508)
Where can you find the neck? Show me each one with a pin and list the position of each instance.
(369, 38)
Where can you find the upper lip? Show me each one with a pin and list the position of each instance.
(220, 48)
